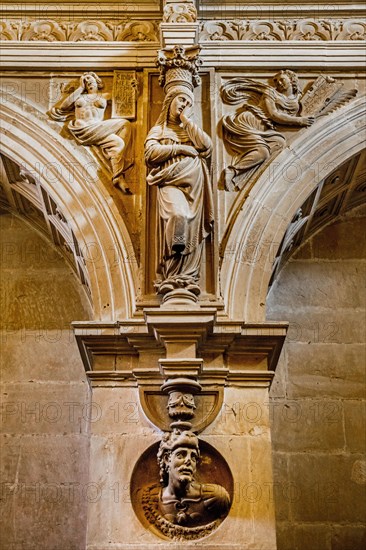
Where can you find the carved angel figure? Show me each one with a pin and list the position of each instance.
(251, 132)
(88, 104)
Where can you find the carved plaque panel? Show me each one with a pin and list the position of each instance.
(124, 95)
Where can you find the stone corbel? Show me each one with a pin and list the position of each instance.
(168, 357)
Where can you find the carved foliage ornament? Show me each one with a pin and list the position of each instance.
(179, 11)
(299, 29)
(251, 132)
(91, 30)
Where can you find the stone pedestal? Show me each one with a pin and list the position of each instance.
(127, 365)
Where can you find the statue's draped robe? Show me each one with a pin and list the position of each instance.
(100, 133)
(251, 128)
(185, 202)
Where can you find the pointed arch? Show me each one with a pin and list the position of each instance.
(261, 221)
(68, 175)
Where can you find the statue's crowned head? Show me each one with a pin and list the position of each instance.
(179, 76)
(171, 441)
(179, 67)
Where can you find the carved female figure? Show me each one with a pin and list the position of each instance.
(251, 132)
(89, 128)
(176, 150)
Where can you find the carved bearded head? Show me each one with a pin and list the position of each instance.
(178, 455)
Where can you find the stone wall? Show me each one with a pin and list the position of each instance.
(44, 394)
(318, 394)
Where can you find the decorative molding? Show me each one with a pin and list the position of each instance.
(283, 30)
(216, 9)
(77, 55)
(50, 30)
(30, 142)
(236, 342)
(179, 11)
(344, 55)
(23, 193)
(94, 9)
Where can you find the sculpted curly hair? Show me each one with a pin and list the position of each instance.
(172, 440)
(293, 78)
(97, 79)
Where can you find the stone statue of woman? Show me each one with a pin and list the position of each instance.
(176, 152)
(88, 104)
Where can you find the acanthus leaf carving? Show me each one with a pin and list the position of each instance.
(80, 31)
(9, 30)
(179, 11)
(90, 31)
(45, 30)
(137, 31)
(282, 30)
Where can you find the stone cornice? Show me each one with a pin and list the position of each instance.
(266, 55)
(82, 10)
(348, 55)
(100, 345)
(282, 10)
(80, 55)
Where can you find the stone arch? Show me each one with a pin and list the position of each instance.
(65, 173)
(264, 215)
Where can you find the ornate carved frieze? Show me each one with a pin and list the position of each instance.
(85, 105)
(51, 30)
(251, 132)
(282, 30)
(179, 11)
